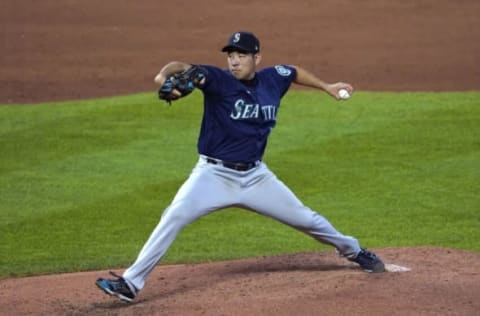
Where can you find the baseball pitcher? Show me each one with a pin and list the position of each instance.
(240, 109)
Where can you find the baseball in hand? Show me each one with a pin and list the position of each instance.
(343, 94)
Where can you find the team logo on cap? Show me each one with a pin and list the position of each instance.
(236, 37)
(283, 71)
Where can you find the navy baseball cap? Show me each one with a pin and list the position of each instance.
(243, 42)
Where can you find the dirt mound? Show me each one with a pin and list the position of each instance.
(440, 282)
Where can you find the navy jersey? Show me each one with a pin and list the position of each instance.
(238, 116)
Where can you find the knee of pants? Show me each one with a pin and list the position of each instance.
(309, 220)
(181, 213)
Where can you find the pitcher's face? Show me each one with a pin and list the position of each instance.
(242, 65)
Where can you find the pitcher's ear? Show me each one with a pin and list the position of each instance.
(258, 58)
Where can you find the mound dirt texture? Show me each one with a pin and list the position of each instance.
(72, 49)
(440, 282)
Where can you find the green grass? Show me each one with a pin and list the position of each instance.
(82, 184)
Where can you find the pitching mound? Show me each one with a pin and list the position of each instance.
(438, 282)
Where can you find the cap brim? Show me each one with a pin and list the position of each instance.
(234, 48)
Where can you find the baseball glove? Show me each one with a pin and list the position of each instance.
(184, 82)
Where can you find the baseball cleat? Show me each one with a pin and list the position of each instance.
(369, 261)
(117, 287)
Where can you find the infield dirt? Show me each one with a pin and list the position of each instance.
(63, 50)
